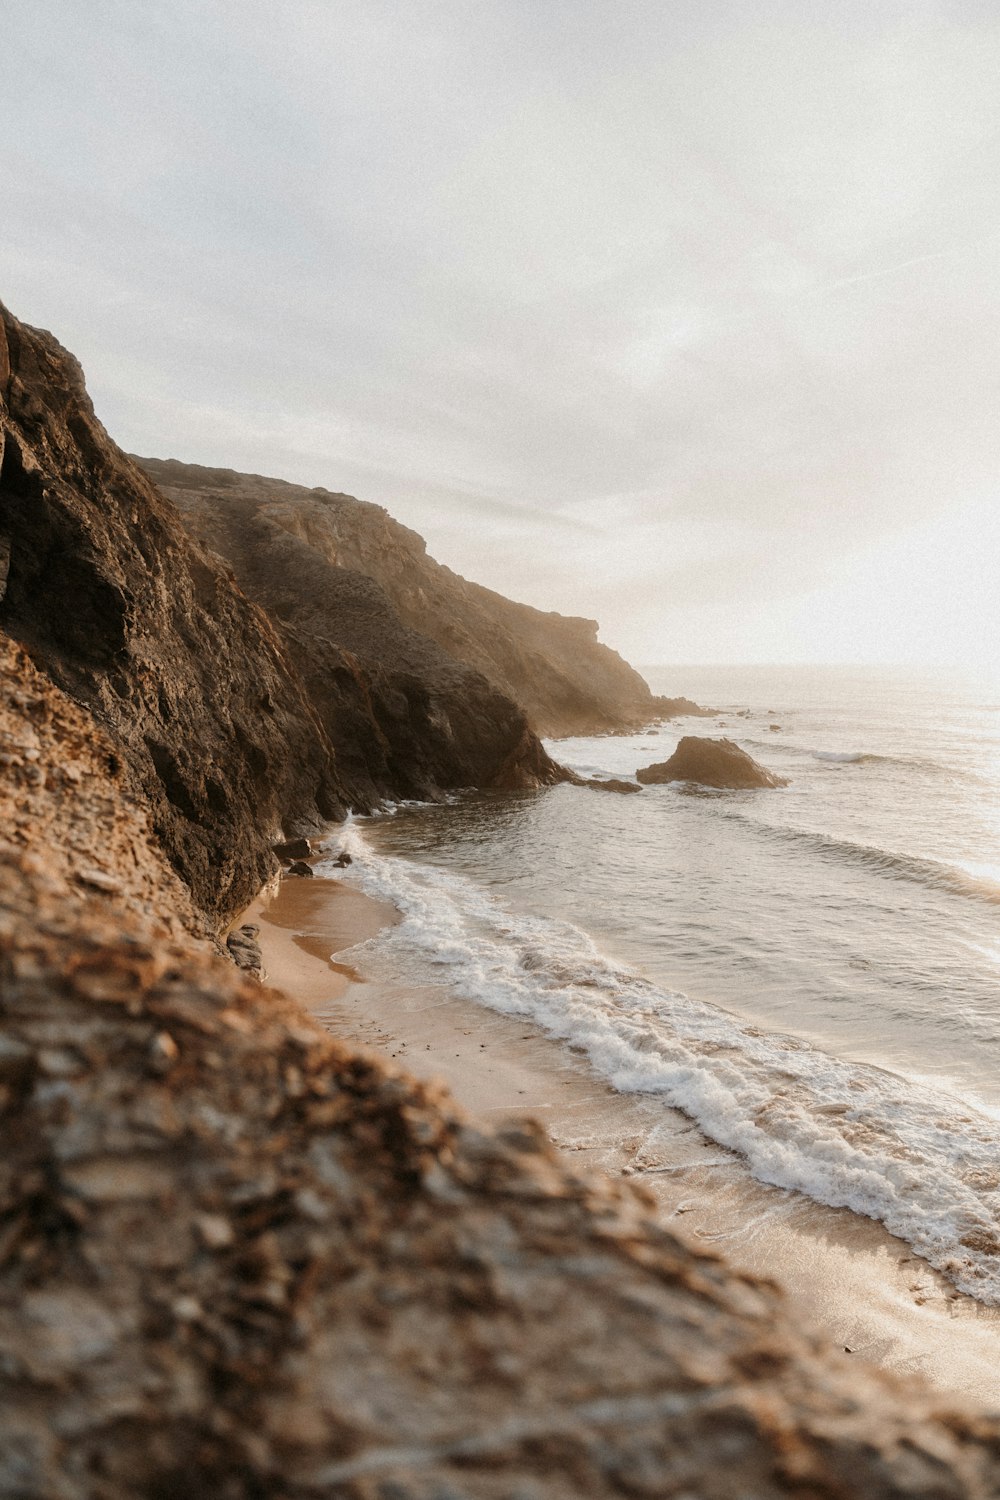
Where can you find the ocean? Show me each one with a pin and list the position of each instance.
(811, 975)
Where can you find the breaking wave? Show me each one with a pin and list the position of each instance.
(912, 867)
(923, 1163)
(851, 757)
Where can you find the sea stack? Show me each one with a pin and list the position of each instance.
(718, 763)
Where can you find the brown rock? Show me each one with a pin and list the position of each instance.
(292, 849)
(244, 949)
(229, 723)
(406, 717)
(299, 867)
(129, 615)
(718, 763)
(683, 708)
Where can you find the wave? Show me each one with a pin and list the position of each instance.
(844, 1134)
(913, 867)
(858, 757)
(852, 757)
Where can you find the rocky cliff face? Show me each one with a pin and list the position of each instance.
(551, 664)
(238, 1260)
(122, 609)
(220, 733)
(404, 716)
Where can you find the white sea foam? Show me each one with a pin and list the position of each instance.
(850, 1135)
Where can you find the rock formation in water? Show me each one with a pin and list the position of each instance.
(239, 1260)
(552, 665)
(227, 723)
(610, 784)
(718, 763)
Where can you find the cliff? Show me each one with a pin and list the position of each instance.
(226, 740)
(404, 716)
(552, 665)
(126, 613)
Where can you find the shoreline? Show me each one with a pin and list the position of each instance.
(303, 924)
(847, 1280)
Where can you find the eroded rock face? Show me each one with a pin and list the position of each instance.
(125, 611)
(552, 665)
(406, 718)
(234, 727)
(71, 825)
(239, 1260)
(718, 763)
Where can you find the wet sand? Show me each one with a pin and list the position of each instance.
(847, 1279)
(303, 924)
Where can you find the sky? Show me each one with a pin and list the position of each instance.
(678, 314)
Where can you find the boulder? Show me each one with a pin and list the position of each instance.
(292, 849)
(719, 763)
(343, 860)
(299, 867)
(244, 949)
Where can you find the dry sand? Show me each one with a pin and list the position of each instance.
(850, 1281)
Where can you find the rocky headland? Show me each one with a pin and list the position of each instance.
(288, 544)
(238, 1258)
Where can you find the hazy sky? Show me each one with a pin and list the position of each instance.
(679, 313)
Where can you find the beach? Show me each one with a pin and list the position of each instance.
(848, 1281)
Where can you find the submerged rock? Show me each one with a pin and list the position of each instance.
(611, 785)
(718, 763)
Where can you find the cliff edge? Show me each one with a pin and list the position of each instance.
(234, 729)
(552, 665)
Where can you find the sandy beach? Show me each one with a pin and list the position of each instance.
(847, 1279)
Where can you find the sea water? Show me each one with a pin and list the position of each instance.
(811, 974)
